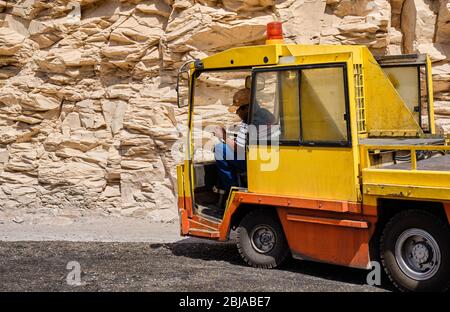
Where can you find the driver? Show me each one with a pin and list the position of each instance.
(230, 153)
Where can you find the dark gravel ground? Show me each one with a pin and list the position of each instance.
(188, 265)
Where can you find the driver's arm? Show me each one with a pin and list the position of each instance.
(231, 143)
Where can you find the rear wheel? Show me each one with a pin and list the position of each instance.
(415, 251)
(260, 239)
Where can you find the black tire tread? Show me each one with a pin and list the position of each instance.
(390, 224)
(248, 261)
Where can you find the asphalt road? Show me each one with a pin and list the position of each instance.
(187, 265)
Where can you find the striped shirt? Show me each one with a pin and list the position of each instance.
(241, 137)
(263, 134)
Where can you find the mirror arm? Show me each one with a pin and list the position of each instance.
(198, 64)
(185, 64)
(183, 69)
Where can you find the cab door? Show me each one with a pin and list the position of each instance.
(306, 149)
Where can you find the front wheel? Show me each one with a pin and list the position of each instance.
(260, 239)
(415, 251)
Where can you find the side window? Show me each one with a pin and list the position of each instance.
(323, 107)
(411, 84)
(276, 111)
(265, 107)
(289, 108)
(304, 105)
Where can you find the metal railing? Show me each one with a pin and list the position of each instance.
(366, 149)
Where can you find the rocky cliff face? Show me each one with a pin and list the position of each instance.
(87, 99)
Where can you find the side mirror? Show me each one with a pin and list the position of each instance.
(248, 82)
(260, 82)
(183, 89)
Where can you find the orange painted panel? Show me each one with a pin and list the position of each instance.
(305, 203)
(328, 221)
(202, 223)
(184, 223)
(188, 206)
(204, 234)
(181, 203)
(370, 210)
(313, 205)
(328, 243)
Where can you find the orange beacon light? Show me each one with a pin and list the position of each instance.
(274, 33)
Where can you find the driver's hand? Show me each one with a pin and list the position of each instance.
(219, 132)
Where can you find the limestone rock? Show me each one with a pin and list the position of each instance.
(443, 22)
(88, 115)
(78, 174)
(15, 51)
(113, 113)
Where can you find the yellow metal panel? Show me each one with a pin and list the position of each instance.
(369, 200)
(385, 109)
(188, 179)
(180, 181)
(407, 177)
(256, 55)
(430, 96)
(416, 192)
(354, 51)
(323, 58)
(244, 56)
(324, 173)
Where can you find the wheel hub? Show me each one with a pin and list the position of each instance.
(263, 238)
(417, 254)
(420, 253)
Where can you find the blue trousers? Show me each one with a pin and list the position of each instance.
(228, 166)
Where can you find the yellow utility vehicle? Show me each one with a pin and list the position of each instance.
(355, 174)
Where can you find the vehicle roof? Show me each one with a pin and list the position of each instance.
(264, 55)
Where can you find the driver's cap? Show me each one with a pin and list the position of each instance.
(240, 98)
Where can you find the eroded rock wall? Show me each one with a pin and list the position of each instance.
(87, 101)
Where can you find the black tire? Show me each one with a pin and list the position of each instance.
(271, 254)
(401, 266)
